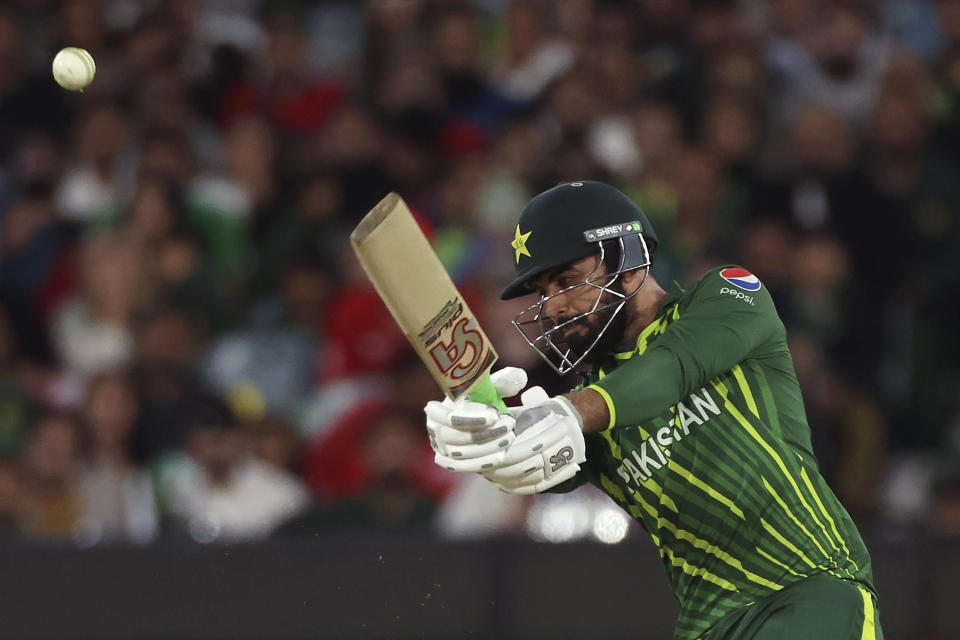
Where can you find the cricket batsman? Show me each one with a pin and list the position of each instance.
(690, 417)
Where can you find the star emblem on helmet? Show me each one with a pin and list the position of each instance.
(519, 244)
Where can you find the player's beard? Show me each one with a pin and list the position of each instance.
(579, 341)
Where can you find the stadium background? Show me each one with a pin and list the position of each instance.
(209, 426)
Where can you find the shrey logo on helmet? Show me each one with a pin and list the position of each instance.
(741, 278)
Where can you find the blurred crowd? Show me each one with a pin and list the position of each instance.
(189, 350)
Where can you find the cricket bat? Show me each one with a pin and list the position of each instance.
(425, 303)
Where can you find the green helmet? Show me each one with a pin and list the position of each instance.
(568, 222)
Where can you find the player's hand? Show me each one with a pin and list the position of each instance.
(547, 447)
(470, 436)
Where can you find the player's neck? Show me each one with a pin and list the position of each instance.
(642, 311)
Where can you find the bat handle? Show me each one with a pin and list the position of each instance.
(486, 393)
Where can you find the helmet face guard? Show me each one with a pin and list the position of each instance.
(546, 336)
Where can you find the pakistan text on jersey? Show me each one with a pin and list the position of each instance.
(653, 452)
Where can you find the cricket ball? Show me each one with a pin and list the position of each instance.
(74, 68)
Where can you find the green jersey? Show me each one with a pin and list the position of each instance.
(708, 447)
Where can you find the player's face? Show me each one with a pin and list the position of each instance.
(583, 313)
(561, 302)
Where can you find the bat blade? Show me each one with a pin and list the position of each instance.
(423, 300)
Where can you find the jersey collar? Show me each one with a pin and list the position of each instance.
(668, 307)
(672, 296)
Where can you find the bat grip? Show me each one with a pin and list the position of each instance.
(486, 393)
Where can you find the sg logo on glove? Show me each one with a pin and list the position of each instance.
(561, 458)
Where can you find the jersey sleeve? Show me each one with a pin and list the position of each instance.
(723, 324)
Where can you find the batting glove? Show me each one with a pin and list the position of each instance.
(547, 447)
(470, 436)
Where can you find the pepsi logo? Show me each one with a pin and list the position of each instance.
(741, 278)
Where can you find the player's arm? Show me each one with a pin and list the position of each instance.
(717, 331)
(592, 407)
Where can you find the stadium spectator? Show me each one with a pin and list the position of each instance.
(835, 58)
(334, 462)
(392, 455)
(218, 491)
(101, 177)
(16, 404)
(53, 506)
(35, 251)
(277, 350)
(533, 58)
(275, 440)
(93, 331)
(118, 496)
(12, 493)
(167, 385)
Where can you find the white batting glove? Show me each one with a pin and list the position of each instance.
(547, 447)
(470, 436)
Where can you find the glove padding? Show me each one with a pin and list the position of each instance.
(470, 436)
(527, 450)
(547, 446)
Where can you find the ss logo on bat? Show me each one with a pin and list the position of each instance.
(458, 358)
(561, 458)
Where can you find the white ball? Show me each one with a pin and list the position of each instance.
(74, 68)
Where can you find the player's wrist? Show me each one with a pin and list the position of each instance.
(592, 409)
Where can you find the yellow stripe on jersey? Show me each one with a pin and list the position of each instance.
(646, 505)
(668, 502)
(796, 521)
(616, 492)
(611, 488)
(699, 543)
(780, 564)
(745, 390)
(724, 393)
(773, 419)
(869, 631)
(696, 571)
(610, 408)
(653, 513)
(615, 449)
(789, 545)
(656, 327)
(833, 524)
(636, 513)
(703, 486)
